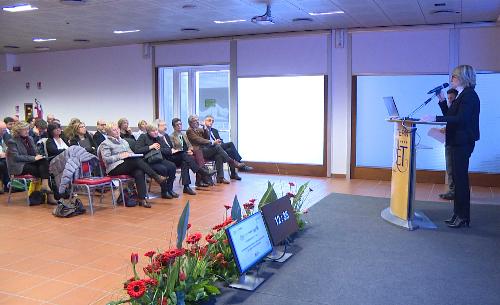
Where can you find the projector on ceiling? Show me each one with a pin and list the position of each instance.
(265, 19)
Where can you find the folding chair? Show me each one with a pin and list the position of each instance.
(90, 184)
(25, 179)
(119, 179)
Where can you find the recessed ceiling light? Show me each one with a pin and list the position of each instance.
(81, 40)
(19, 8)
(43, 39)
(301, 19)
(190, 30)
(11, 47)
(73, 2)
(440, 4)
(444, 12)
(126, 31)
(188, 6)
(42, 48)
(327, 13)
(229, 21)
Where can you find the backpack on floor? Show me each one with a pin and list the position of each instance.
(69, 208)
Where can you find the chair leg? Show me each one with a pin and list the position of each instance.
(90, 200)
(25, 183)
(10, 191)
(113, 200)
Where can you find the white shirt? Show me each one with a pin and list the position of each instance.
(60, 144)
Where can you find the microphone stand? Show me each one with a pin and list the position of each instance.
(421, 106)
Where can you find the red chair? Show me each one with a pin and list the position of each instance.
(24, 179)
(90, 183)
(119, 179)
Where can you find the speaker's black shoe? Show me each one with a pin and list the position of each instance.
(174, 194)
(222, 180)
(452, 219)
(459, 223)
(235, 177)
(166, 195)
(188, 190)
(447, 196)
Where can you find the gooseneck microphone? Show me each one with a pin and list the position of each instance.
(438, 88)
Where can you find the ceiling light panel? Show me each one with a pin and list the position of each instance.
(19, 8)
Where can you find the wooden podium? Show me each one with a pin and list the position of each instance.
(400, 212)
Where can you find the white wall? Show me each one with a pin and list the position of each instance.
(106, 83)
(485, 41)
(192, 54)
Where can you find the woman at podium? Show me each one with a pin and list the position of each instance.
(462, 131)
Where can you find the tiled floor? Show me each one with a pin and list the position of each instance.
(84, 260)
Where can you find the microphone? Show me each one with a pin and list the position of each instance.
(438, 88)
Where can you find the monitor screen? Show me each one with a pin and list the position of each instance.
(249, 241)
(280, 219)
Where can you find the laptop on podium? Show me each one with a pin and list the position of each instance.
(390, 105)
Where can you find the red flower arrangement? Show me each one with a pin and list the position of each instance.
(249, 206)
(194, 238)
(210, 238)
(149, 254)
(222, 225)
(136, 289)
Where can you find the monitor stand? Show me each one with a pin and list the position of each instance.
(247, 282)
(278, 256)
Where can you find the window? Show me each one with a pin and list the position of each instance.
(195, 90)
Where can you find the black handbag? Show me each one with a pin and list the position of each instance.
(153, 156)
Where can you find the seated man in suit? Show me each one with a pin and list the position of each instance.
(100, 135)
(211, 149)
(213, 134)
(9, 123)
(4, 175)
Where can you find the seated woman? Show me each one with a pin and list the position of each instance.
(150, 141)
(83, 138)
(55, 144)
(116, 154)
(67, 133)
(126, 133)
(22, 158)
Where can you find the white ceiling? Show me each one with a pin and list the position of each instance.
(162, 20)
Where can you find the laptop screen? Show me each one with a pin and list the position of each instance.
(391, 106)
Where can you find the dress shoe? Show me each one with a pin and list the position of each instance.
(173, 194)
(235, 177)
(222, 180)
(160, 179)
(459, 222)
(452, 219)
(207, 172)
(447, 196)
(188, 190)
(246, 168)
(166, 195)
(144, 203)
(201, 184)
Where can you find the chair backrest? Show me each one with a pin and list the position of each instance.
(86, 169)
(102, 165)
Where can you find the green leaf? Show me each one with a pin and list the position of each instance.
(212, 290)
(300, 193)
(236, 209)
(182, 225)
(269, 196)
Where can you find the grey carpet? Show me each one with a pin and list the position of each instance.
(348, 255)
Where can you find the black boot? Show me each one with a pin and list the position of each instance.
(452, 219)
(188, 190)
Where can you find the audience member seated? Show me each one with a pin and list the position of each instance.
(211, 151)
(213, 135)
(68, 132)
(9, 122)
(142, 129)
(117, 157)
(55, 144)
(100, 134)
(148, 144)
(4, 175)
(126, 133)
(22, 158)
(180, 142)
(83, 138)
(51, 118)
(39, 131)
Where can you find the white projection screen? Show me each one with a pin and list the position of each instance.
(281, 119)
(374, 136)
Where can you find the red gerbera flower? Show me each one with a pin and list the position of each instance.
(149, 254)
(194, 238)
(136, 289)
(150, 282)
(248, 206)
(189, 226)
(227, 206)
